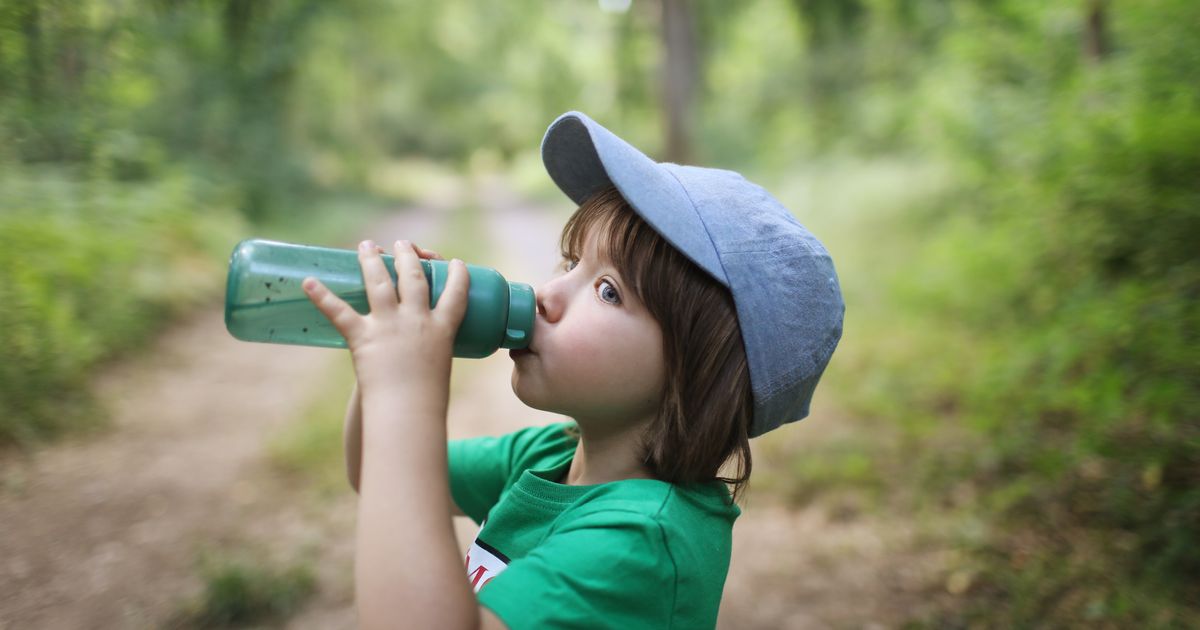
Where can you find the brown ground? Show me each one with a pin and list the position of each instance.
(104, 531)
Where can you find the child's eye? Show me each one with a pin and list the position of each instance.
(608, 292)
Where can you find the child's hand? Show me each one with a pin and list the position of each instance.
(401, 341)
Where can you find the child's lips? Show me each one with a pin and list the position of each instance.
(518, 353)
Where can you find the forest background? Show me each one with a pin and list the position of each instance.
(1021, 293)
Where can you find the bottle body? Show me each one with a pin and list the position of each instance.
(264, 300)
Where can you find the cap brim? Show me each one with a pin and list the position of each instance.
(583, 158)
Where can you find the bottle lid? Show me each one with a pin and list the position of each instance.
(521, 309)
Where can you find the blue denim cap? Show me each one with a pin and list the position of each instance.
(789, 304)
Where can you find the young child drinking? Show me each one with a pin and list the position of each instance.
(693, 312)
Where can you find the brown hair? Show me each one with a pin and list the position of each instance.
(706, 408)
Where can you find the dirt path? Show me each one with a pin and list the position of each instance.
(103, 532)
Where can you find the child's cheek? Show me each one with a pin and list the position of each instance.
(584, 350)
(582, 354)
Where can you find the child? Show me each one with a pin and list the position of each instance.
(692, 314)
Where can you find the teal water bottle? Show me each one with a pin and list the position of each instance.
(265, 302)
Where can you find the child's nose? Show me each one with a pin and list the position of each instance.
(549, 303)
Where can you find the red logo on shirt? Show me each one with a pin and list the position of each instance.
(484, 562)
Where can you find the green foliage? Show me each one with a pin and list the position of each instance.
(1049, 306)
(1029, 331)
(89, 269)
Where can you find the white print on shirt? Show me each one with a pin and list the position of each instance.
(484, 562)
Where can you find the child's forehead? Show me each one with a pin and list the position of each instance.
(596, 242)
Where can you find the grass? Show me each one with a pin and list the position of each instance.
(310, 448)
(245, 588)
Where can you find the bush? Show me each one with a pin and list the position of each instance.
(88, 269)
(1053, 307)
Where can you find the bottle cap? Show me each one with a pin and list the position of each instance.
(521, 309)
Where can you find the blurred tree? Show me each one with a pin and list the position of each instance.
(1095, 41)
(680, 73)
(834, 40)
(263, 41)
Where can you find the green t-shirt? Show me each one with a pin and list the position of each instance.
(634, 553)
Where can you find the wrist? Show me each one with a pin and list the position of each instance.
(403, 425)
(404, 402)
(379, 377)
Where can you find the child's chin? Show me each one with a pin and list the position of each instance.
(522, 391)
(533, 399)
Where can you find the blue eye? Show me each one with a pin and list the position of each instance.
(607, 292)
(610, 295)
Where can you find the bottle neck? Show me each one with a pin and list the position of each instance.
(521, 309)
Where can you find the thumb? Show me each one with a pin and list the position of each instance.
(452, 304)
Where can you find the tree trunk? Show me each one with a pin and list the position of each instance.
(679, 77)
(1095, 35)
(35, 73)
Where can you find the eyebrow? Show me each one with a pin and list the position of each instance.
(609, 265)
(629, 289)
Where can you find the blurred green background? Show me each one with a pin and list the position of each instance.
(1010, 189)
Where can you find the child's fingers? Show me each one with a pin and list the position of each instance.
(377, 282)
(343, 317)
(452, 304)
(428, 253)
(410, 277)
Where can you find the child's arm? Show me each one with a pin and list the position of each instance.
(352, 441)
(407, 563)
(352, 427)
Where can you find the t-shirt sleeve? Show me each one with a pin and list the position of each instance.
(482, 468)
(607, 569)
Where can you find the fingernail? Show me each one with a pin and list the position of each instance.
(309, 284)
